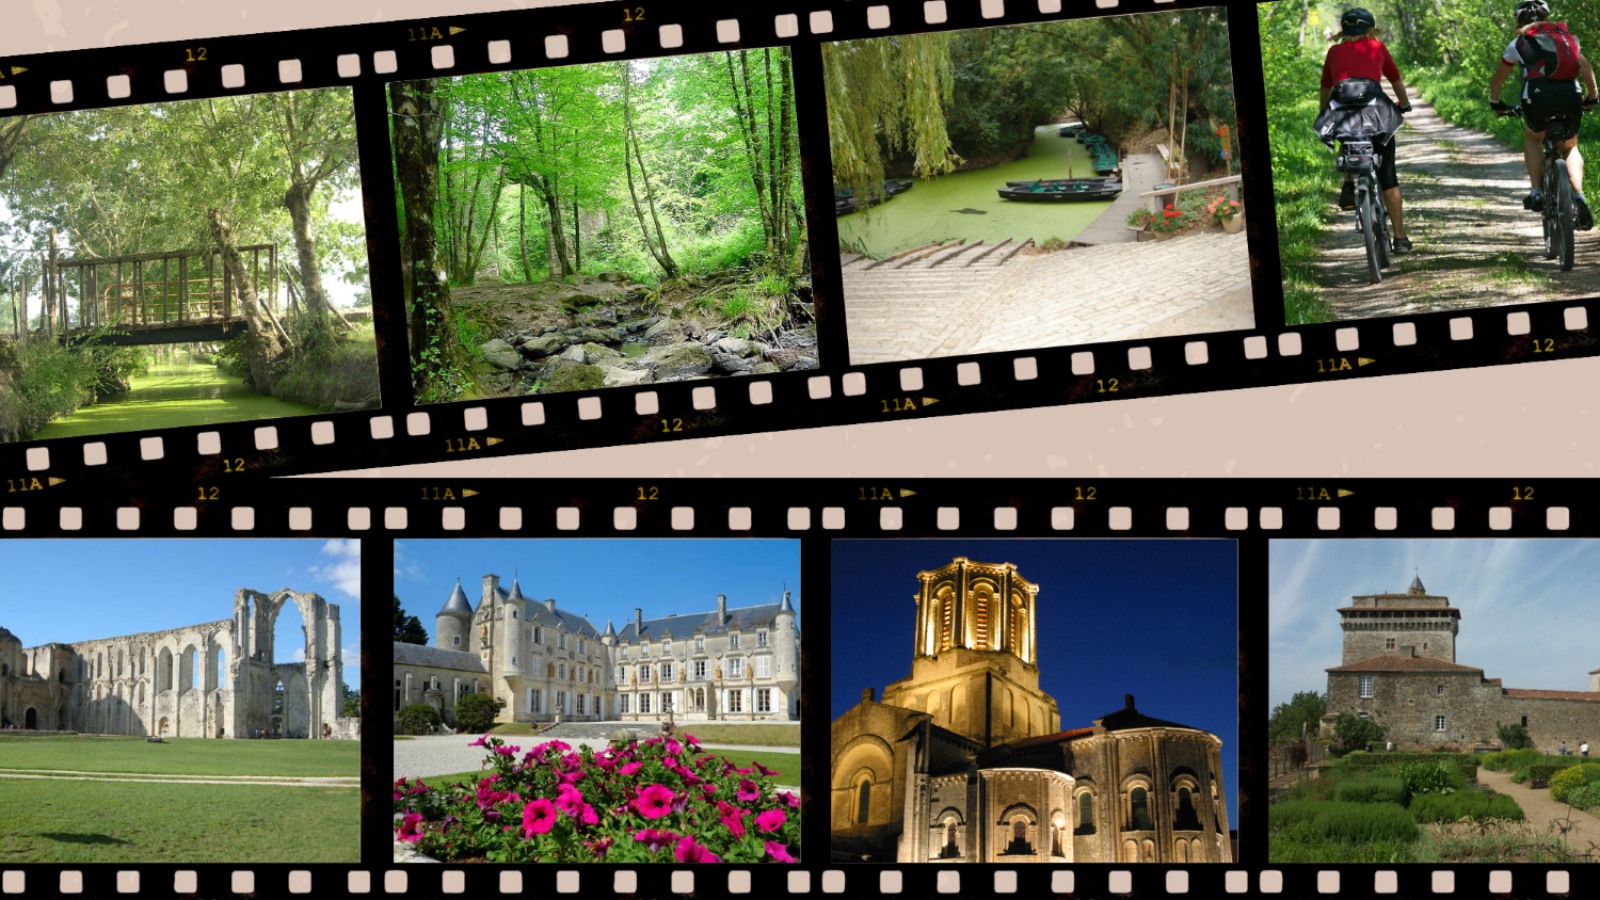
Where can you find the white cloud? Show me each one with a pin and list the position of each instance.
(350, 657)
(405, 567)
(299, 655)
(345, 572)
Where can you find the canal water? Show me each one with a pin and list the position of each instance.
(174, 395)
(965, 205)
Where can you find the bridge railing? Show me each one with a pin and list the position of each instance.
(1155, 196)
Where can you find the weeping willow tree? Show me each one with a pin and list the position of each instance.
(885, 94)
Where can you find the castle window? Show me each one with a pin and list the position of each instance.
(513, 614)
(666, 646)
(534, 706)
(561, 670)
(1438, 723)
(699, 643)
(583, 646)
(1388, 644)
(764, 700)
(1085, 813)
(733, 641)
(864, 804)
(513, 660)
(538, 635)
(1139, 815)
(763, 667)
(1366, 686)
(1424, 645)
(761, 639)
(456, 641)
(1186, 819)
(1441, 689)
(561, 641)
(622, 702)
(699, 668)
(1524, 721)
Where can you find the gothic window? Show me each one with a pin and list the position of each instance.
(1388, 644)
(1140, 813)
(864, 802)
(1438, 723)
(1085, 813)
(1366, 686)
(1186, 820)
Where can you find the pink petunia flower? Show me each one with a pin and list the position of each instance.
(630, 768)
(587, 815)
(538, 817)
(771, 820)
(410, 829)
(733, 817)
(673, 747)
(654, 840)
(481, 742)
(748, 791)
(568, 798)
(766, 771)
(654, 801)
(790, 799)
(690, 852)
(779, 852)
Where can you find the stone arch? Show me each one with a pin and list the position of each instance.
(164, 671)
(934, 697)
(1149, 850)
(1181, 851)
(186, 668)
(1085, 810)
(1130, 851)
(296, 707)
(216, 672)
(958, 709)
(30, 719)
(1017, 830)
(165, 726)
(869, 759)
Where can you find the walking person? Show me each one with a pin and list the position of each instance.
(1563, 748)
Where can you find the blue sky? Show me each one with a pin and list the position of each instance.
(1154, 618)
(1527, 606)
(601, 578)
(80, 590)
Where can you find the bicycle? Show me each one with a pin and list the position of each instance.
(1556, 188)
(1360, 158)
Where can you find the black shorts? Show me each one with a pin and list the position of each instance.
(1385, 174)
(1537, 110)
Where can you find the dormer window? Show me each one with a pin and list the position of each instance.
(699, 643)
(561, 640)
(761, 639)
(583, 646)
(733, 641)
(666, 646)
(538, 635)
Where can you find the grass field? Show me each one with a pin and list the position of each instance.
(183, 756)
(99, 822)
(708, 733)
(786, 764)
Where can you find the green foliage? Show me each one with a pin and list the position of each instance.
(418, 718)
(1372, 788)
(1352, 733)
(1513, 736)
(1469, 771)
(1438, 807)
(1351, 823)
(407, 628)
(1430, 777)
(1381, 757)
(343, 370)
(1546, 771)
(230, 357)
(44, 379)
(1585, 797)
(349, 702)
(475, 713)
(1575, 776)
(1303, 843)
(738, 305)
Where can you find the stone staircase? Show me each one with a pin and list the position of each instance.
(953, 299)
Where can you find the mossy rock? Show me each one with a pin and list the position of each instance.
(571, 376)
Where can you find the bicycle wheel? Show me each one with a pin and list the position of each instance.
(1380, 224)
(1564, 223)
(1548, 216)
(1364, 222)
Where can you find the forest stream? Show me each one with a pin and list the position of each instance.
(966, 205)
(171, 396)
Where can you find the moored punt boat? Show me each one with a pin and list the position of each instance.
(1073, 130)
(898, 187)
(843, 206)
(1061, 190)
(874, 195)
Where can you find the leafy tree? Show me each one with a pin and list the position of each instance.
(350, 702)
(475, 713)
(1351, 732)
(418, 718)
(1513, 736)
(407, 628)
(1302, 715)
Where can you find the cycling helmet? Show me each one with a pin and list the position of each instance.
(1359, 21)
(1532, 11)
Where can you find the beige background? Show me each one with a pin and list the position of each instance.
(1522, 421)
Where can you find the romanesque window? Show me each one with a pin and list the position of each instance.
(864, 802)
(1019, 837)
(945, 604)
(1057, 841)
(1139, 817)
(1438, 723)
(1388, 644)
(980, 619)
(1186, 819)
(951, 850)
(763, 667)
(736, 701)
(764, 700)
(1366, 686)
(1085, 813)
(761, 639)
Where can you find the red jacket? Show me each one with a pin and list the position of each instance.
(1367, 58)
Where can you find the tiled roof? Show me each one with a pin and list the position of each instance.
(424, 657)
(1595, 672)
(1050, 738)
(1393, 663)
(1591, 696)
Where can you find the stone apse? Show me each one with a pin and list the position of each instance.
(212, 680)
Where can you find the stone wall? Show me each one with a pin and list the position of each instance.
(1365, 638)
(1408, 702)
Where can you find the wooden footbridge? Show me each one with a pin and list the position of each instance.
(177, 297)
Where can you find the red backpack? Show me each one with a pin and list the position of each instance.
(1549, 51)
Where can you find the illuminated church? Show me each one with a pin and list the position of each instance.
(965, 760)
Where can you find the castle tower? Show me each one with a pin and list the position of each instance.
(786, 647)
(452, 623)
(1594, 681)
(1415, 623)
(974, 663)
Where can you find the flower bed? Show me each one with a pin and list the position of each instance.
(653, 801)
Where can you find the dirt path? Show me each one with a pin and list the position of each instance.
(1541, 810)
(1475, 244)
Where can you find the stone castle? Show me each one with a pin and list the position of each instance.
(546, 664)
(215, 680)
(964, 761)
(1400, 670)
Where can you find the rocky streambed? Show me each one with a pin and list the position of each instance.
(627, 342)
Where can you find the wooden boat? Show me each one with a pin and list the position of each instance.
(1073, 130)
(874, 195)
(1061, 190)
(843, 206)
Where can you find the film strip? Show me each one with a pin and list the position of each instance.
(1261, 546)
(859, 367)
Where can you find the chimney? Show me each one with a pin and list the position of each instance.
(550, 603)
(1127, 701)
(638, 624)
(722, 609)
(1408, 650)
(866, 695)
(491, 584)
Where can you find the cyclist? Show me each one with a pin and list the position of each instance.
(1357, 52)
(1551, 68)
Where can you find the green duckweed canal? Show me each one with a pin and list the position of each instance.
(172, 396)
(930, 211)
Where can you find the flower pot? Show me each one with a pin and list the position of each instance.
(1234, 225)
(1164, 235)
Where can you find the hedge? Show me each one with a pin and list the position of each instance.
(1464, 804)
(1372, 789)
(1548, 771)
(1469, 771)
(1351, 823)
(418, 718)
(1573, 777)
(1363, 759)
(1585, 797)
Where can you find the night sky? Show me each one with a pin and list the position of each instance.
(1154, 618)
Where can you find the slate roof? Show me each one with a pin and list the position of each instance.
(1530, 694)
(457, 604)
(1393, 663)
(1050, 738)
(682, 626)
(437, 658)
(538, 614)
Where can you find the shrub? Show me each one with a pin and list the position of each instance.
(1303, 843)
(1573, 777)
(1469, 771)
(418, 718)
(1522, 759)
(1430, 777)
(1372, 789)
(1464, 804)
(1494, 762)
(1586, 797)
(1353, 733)
(1513, 736)
(475, 713)
(1547, 771)
(1519, 777)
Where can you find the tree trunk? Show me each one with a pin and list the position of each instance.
(577, 238)
(522, 231)
(1183, 127)
(298, 199)
(263, 349)
(1305, 14)
(662, 257)
(438, 359)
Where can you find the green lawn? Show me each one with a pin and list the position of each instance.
(786, 764)
(99, 822)
(183, 756)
